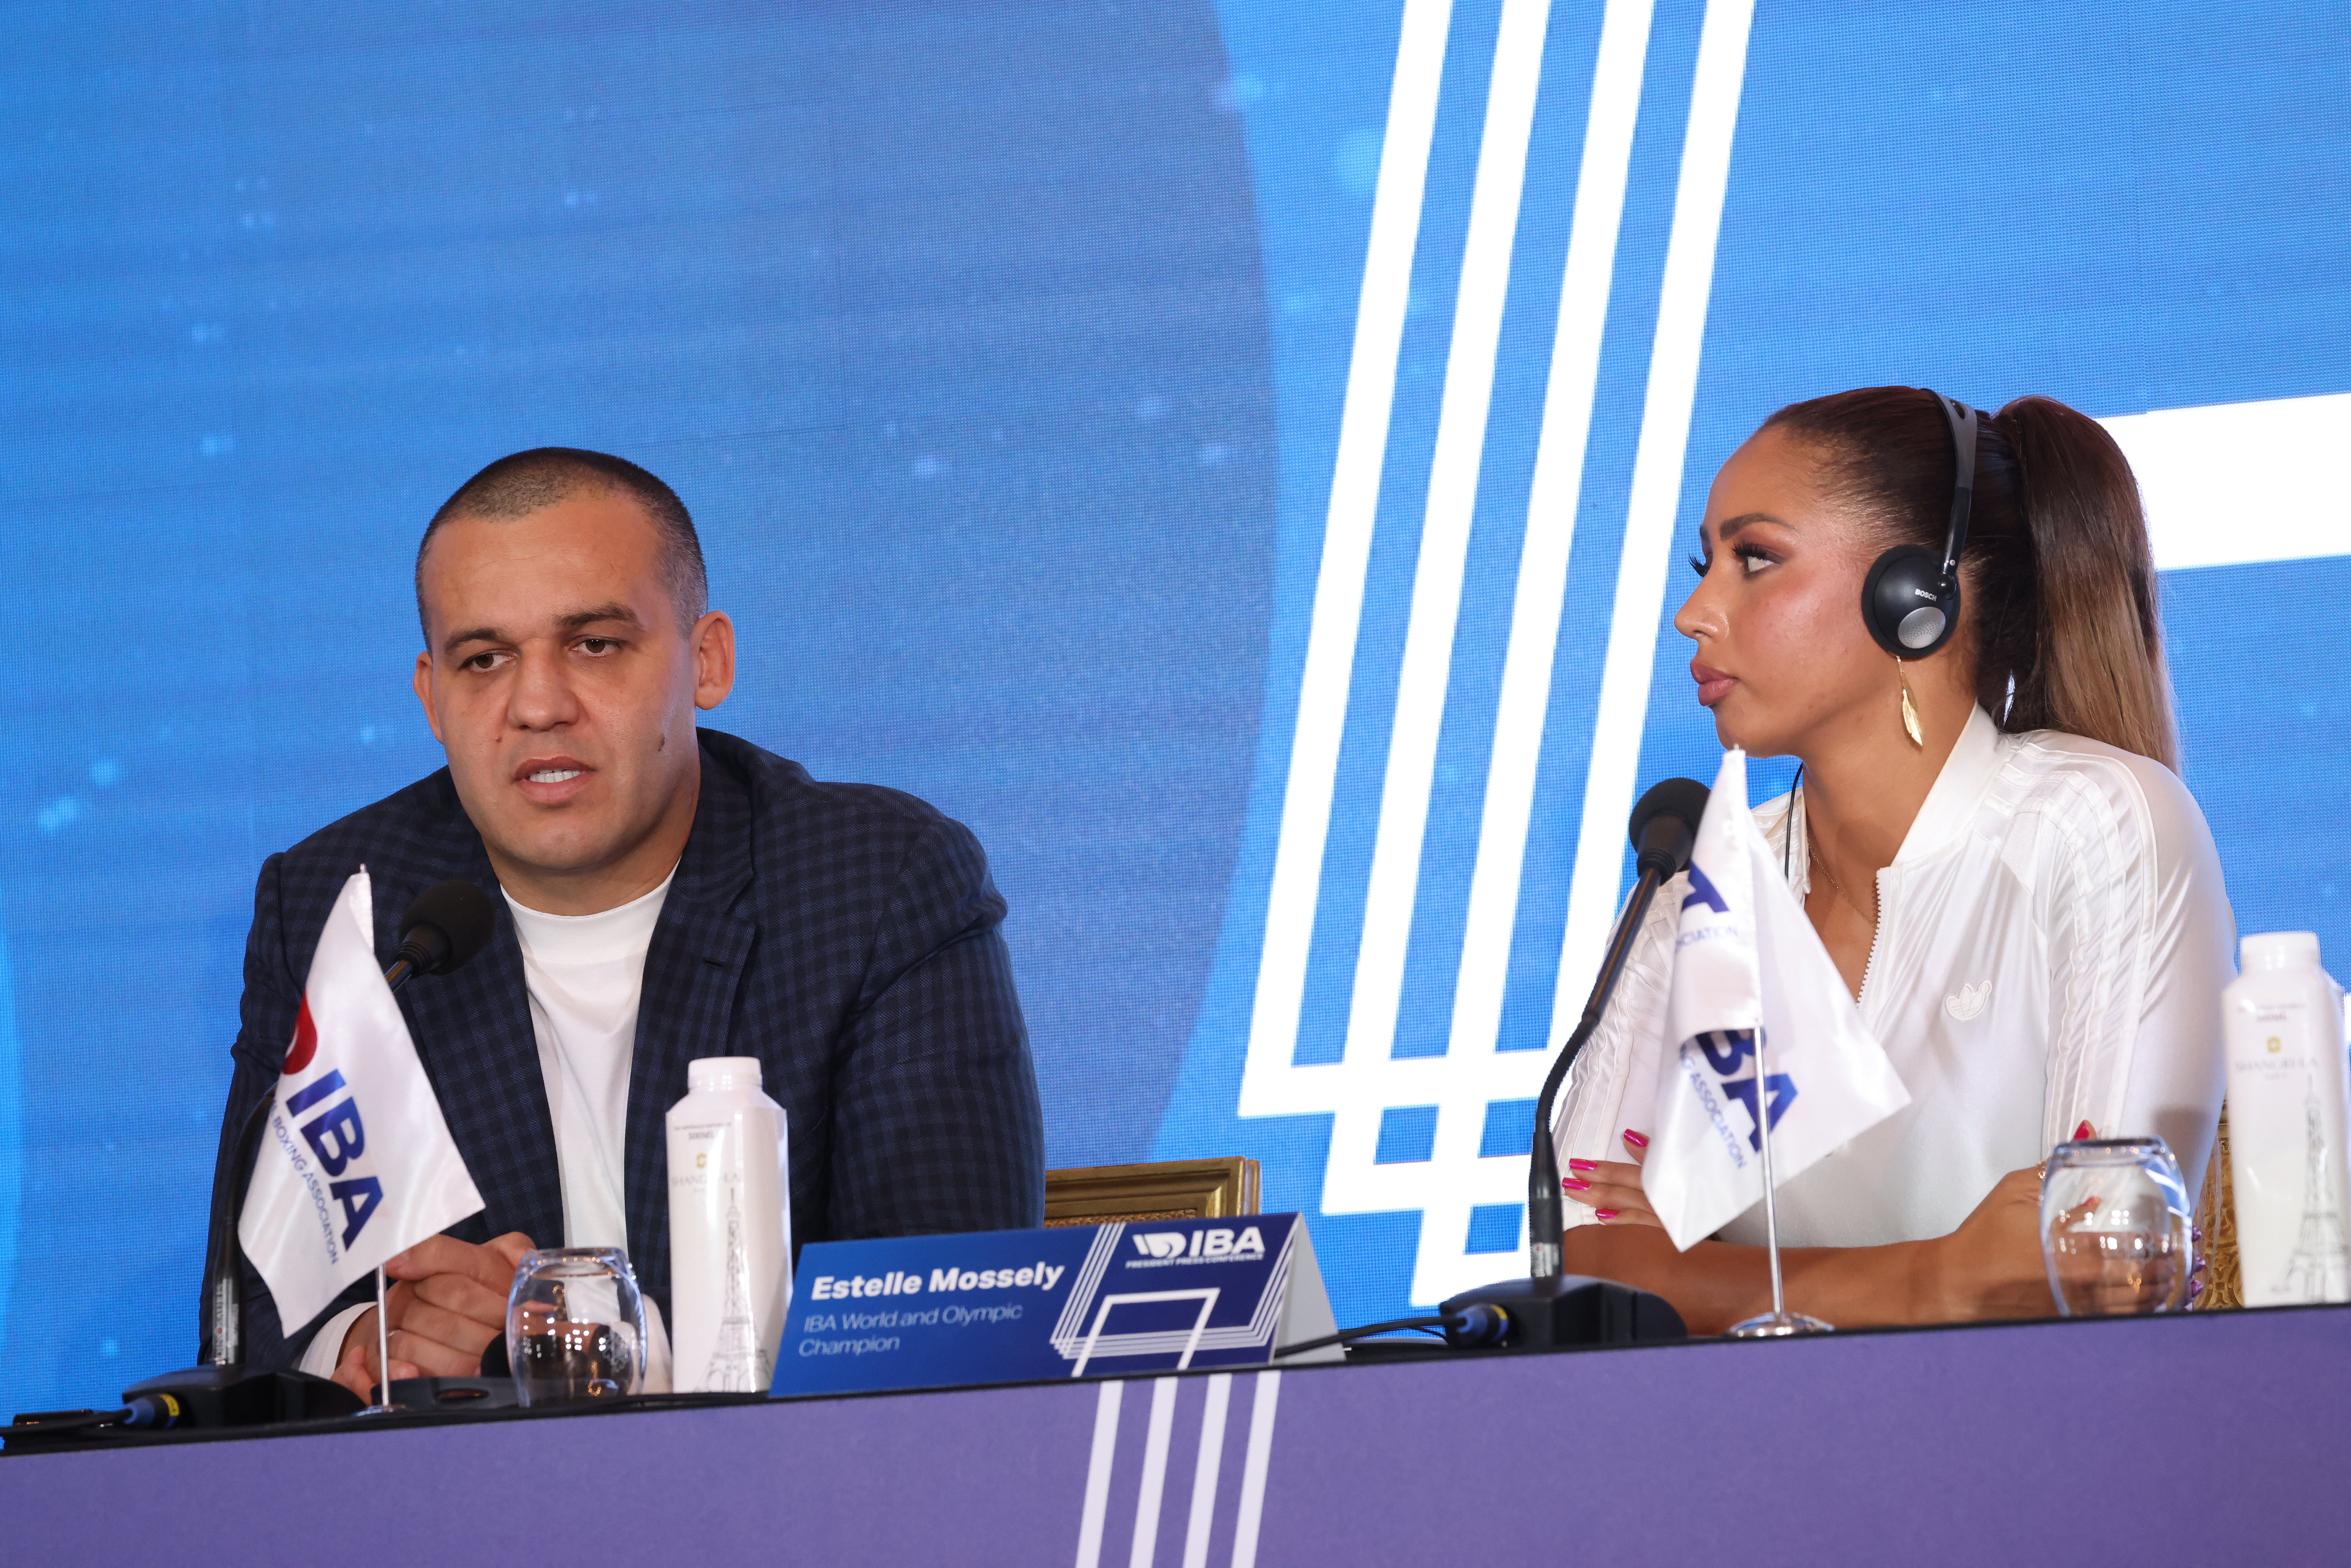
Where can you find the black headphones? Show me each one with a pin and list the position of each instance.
(1910, 602)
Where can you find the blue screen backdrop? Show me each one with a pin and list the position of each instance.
(1228, 455)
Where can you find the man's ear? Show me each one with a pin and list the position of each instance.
(713, 644)
(424, 693)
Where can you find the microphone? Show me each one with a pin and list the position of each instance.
(446, 927)
(448, 924)
(1550, 1307)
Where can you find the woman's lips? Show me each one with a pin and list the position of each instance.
(1713, 685)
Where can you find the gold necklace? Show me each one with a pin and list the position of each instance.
(1812, 850)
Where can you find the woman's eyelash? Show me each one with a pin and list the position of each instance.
(1754, 556)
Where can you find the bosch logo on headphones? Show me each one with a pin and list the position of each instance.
(1927, 594)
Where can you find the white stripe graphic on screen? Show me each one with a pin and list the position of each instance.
(2237, 483)
(1444, 550)
(1253, 1467)
(1098, 1464)
(1552, 504)
(1657, 496)
(1154, 1473)
(1205, 1466)
(1346, 555)
(1459, 1180)
(1367, 1081)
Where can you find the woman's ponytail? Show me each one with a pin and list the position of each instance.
(2095, 666)
(2059, 580)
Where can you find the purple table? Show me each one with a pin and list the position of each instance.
(2184, 1440)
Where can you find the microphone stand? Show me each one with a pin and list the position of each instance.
(1550, 1307)
(221, 1390)
(1545, 1208)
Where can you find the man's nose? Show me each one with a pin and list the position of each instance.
(542, 697)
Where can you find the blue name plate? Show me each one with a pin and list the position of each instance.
(1019, 1306)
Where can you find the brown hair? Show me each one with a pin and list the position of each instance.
(2057, 580)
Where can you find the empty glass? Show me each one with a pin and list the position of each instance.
(2114, 1227)
(575, 1326)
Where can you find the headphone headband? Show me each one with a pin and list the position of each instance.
(1963, 485)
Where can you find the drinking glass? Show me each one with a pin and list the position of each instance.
(2116, 1228)
(575, 1326)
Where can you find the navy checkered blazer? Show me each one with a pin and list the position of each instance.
(845, 934)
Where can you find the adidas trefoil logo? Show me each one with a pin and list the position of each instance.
(1969, 1002)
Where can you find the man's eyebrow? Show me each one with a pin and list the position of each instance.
(457, 640)
(572, 621)
(613, 611)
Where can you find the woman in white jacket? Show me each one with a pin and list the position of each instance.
(1988, 836)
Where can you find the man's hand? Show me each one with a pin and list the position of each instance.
(448, 1303)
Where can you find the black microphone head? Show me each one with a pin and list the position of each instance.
(461, 912)
(1664, 828)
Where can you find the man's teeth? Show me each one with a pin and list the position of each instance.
(555, 775)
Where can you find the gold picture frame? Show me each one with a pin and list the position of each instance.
(1169, 1189)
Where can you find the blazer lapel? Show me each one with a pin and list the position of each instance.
(472, 1030)
(686, 1005)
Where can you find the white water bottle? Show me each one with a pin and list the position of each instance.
(730, 1236)
(2288, 1100)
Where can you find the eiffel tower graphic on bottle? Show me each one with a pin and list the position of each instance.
(2319, 1270)
(738, 1363)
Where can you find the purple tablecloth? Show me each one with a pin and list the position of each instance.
(2193, 1440)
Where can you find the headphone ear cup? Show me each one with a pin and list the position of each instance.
(1909, 607)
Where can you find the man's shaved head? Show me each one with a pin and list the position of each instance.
(532, 481)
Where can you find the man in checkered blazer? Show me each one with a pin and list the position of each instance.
(845, 935)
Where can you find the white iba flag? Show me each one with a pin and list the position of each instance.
(357, 1163)
(1747, 966)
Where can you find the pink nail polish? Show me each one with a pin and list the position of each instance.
(1573, 1183)
(1603, 1213)
(1636, 1139)
(1583, 1165)
(2083, 1130)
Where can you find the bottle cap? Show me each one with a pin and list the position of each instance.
(2280, 950)
(743, 1072)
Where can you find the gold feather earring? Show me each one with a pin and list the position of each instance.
(1910, 713)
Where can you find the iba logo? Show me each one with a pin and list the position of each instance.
(1218, 1243)
(1724, 1050)
(335, 1134)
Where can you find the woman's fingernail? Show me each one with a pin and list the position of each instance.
(1603, 1213)
(1574, 1185)
(1636, 1139)
(1583, 1165)
(2083, 1130)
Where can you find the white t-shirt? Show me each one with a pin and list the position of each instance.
(584, 974)
(2051, 943)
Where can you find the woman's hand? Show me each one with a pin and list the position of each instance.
(1991, 1266)
(1611, 1189)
